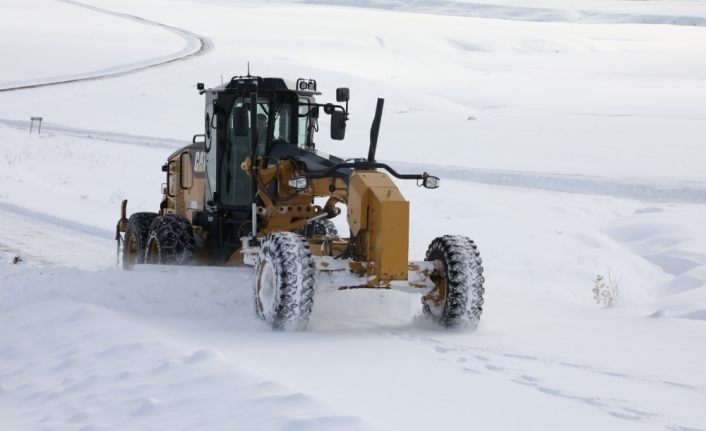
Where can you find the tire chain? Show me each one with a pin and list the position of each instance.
(139, 225)
(175, 239)
(295, 269)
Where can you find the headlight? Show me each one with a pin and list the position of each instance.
(306, 84)
(431, 182)
(298, 183)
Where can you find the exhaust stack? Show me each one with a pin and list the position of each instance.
(375, 130)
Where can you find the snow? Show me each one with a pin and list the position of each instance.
(643, 12)
(568, 139)
(46, 48)
(54, 367)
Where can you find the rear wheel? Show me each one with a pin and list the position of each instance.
(171, 241)
(457, 300)
(284, 282)
(136, 236)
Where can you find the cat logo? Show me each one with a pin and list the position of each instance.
(200, 162)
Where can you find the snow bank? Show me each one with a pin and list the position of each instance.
(95, 366)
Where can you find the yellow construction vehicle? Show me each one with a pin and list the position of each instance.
(243, 193)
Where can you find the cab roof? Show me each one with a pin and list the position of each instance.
(267, 84)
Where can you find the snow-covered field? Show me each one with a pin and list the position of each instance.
(569, 139)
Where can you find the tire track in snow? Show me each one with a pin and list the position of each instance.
(57, 221)
(195, 45)
(518, 369)
(41, 239)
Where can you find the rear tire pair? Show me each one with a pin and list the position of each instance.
(151, 238)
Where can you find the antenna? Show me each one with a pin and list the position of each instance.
(221, 78)
(248, 69)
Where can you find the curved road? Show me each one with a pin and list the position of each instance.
(195, 45)
(640, 189)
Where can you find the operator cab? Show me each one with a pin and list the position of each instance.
(262, 120)
(284, 117)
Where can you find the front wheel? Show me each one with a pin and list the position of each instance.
(457, 300)
(284, 281)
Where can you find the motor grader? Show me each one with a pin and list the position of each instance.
(245, 192)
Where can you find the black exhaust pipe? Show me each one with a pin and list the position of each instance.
(375, 130)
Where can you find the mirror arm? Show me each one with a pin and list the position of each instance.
(324, 105)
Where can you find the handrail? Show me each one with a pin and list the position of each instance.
(363, 165)
(169, 175)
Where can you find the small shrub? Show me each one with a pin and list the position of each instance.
(606, 290)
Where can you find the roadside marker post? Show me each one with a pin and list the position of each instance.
(39, 122)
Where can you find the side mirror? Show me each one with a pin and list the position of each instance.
(338, 125)
(200, 86)
(242, 122)
(342, 94)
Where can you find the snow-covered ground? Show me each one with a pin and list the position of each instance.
(569, 139)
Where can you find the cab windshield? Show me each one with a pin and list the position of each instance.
(274, 123)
